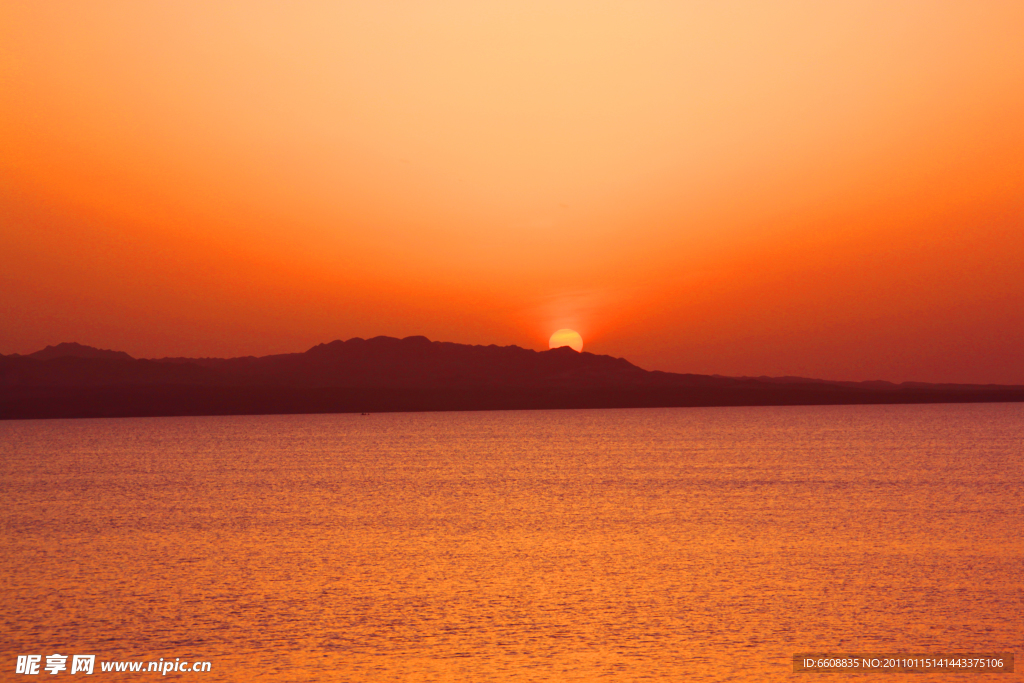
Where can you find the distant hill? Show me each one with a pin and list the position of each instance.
(77, 350)
(411, 374)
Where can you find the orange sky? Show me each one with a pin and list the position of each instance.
(820, 189)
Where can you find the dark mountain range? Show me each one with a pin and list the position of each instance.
(387, 374)
(77, 350)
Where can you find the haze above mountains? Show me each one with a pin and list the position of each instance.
(388, 374)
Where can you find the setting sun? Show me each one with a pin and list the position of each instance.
(566, 337)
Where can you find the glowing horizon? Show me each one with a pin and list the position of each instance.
(829, 191)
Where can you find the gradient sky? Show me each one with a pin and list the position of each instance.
(789, 188)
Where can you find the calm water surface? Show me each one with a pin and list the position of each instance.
(658, 544)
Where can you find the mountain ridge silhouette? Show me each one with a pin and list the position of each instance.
(388, 374)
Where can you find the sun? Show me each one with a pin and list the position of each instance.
(566, 337)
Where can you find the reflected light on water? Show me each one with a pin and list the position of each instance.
(675, 544)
